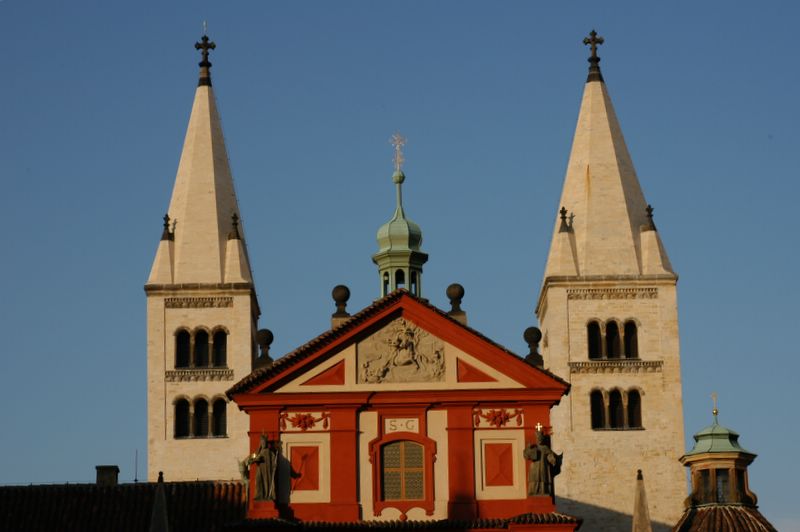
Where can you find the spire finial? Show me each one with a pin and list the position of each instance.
(594, 61)
(398, 141)
(565, 226)
(650, 223)
(234, 234)
(715, 411)
(204, 46)
(166, 234)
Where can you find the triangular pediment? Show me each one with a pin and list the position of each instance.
(400, 343)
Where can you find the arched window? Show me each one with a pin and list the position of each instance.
(181, 418)
(220, 348)
(200, 418)
(723, 486)
(595, 341)
(399, 279)
(413, 286)
(613, 347)
(182, 343)
(598, 410)
(218, 421)
(634, 410)
(385, 283)
(631, 340)
(615, 411)
(201, 349)
(402, 470)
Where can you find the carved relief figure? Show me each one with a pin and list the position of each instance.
(266, 456)
(402, 352)
(545, 464)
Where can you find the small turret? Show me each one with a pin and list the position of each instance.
(399, 257)
(720, 499)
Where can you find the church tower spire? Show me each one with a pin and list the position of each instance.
(399, 257)
(201, 308)
(608, 315)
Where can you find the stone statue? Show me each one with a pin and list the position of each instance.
(266, 456)
(545, 464)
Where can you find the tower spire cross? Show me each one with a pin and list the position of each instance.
(204, 46)
(593, 40)
(714, 400)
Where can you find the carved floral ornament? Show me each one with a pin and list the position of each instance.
(304, 421)
(497, 417)
(612, 293)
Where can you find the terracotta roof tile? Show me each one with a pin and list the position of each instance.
(443, 524)
(723, 518)
(296, 356)
(195, 506)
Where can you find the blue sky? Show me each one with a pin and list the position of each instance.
(96, 98)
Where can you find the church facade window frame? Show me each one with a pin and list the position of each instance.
(429, 457)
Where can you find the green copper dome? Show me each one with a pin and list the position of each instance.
(399, 257)
(717, 439)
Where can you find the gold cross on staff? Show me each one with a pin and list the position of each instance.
(398, 141)
(539, 426)
(714, 399)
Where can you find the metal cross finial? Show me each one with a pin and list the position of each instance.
(714, 399)
(593, 40)
(539, 426)
(398, 141)
(205, 45)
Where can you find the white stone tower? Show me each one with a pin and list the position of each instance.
(609, 319)
(201, 310)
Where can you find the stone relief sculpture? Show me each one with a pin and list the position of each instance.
(266, 456)
(545, 464)
(401, 352)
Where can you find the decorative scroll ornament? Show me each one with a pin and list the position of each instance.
(198, 302)
(497, 417)
(401, 352)
(304, 422)
(612, 293)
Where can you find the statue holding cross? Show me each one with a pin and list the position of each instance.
(545, 464)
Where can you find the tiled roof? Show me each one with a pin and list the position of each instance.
(723, 518)
(443, 524)
(191, 506)
(288, 360)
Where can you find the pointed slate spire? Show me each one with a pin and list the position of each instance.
(602, 192)
(203, 197)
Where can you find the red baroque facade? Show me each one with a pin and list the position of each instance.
(402, 414)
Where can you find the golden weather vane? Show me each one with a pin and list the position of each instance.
(398, 141)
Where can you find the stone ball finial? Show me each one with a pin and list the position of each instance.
(341, 295)
(264, 338)
(455, 293)
(533, 336)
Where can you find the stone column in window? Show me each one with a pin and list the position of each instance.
(192, 424)
(606, 407)
(624, 407)
(192, 354)
(603, 350)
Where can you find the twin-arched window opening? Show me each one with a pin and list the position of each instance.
(616, 409)
(201, 349)
(610, 340)
(196, 420)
